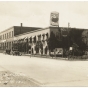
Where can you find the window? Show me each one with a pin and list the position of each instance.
(12, 33)
(0, 38)
(47, 35)
(9, 34)
(5, 36)
(39, 37)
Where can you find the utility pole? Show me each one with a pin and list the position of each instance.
(21, 28)
(68, 39)
(68, 24)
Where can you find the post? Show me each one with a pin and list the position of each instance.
(68, 39)
(63, 53)
(21, 28)
(31, 54)
(55, 53)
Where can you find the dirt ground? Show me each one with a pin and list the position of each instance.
(36, 71)
(9, 79)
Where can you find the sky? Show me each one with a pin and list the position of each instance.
(37, 13)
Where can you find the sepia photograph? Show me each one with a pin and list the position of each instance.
(43, 43)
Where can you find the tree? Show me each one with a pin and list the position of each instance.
(75, 36)
(52, 41)
(64, 42)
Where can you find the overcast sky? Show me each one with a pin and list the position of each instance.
(37, 14)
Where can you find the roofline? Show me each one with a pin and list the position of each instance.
(38, 27)
(7, 29)
(31, 31)
(74, 28)
(27, 27)
(16, 26)
(42, 29)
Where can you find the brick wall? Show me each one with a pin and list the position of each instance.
(20, 30)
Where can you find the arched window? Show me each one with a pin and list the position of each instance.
(35, 39)
(43, 36)
(47, 35)
(30, 39)
(39, 37)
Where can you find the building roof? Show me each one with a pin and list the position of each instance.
(32, 31)
(24, 28)
(30, 28)
(20, 30)
(6, 29)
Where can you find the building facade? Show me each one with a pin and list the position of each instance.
(33, 39)
(36, 40)
(7, 36)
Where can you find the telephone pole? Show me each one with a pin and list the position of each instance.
(68, 40)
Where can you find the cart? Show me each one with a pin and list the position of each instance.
(7, 51)
(16, 52)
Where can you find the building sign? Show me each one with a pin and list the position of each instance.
(85, 37)
(64, 32)
(54, 18)
(70, 48)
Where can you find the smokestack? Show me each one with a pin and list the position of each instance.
(21, 28)
(21, 25)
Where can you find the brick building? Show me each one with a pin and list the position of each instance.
(36, 38)
(32, 38)
(26, 38)
(7, 36)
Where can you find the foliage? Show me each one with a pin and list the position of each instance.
(73, 39)
(52, 42)
(75, 36)
(65, 42)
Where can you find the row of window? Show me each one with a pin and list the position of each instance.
(33, 38)
(7, 45)
(7, 35)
